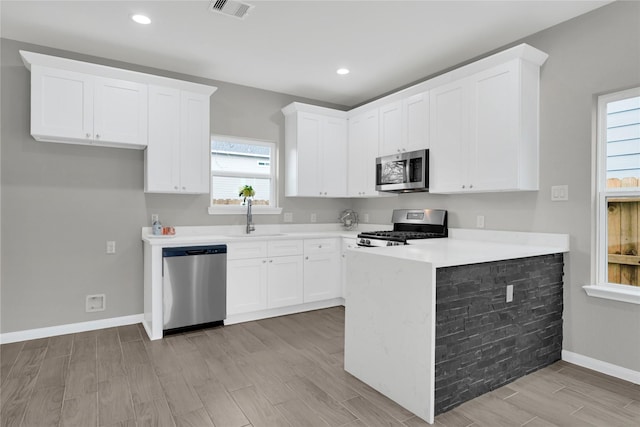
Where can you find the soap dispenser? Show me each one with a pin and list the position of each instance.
(156, 226)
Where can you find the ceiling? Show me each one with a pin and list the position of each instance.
(292, 47)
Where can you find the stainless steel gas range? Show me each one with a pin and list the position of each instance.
(408, 224)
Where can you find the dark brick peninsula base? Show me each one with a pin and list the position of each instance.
(483, 342)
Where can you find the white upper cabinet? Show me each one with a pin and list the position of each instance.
(315, 151)
(363, 150)
(120, 112)
(177, 156)
(78, 108)
(83, 103)
(484, 131)
(404, 125)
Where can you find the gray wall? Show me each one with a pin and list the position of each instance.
(61, 203)
(589, 55)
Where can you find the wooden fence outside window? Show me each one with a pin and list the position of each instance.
(623, 235)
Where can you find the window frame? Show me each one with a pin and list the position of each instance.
(600, 287)
(273, 209)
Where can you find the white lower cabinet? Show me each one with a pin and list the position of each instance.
(347, 243)
(246, 285)
(262, 275)
(284, 279)
(322, 269)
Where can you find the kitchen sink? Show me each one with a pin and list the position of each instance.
(258, 235)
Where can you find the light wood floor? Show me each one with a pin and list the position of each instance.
(285, 371)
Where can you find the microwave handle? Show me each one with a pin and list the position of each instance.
(407, 171)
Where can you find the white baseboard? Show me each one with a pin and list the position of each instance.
(602, 367)
(71, 328)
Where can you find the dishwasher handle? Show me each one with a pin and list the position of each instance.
(194, 250)
(197, 252)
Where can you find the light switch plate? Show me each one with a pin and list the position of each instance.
(480, 221)
(314, 217)
(559, 193)
(288, 217)
(111, 247)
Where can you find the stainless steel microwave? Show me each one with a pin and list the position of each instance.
(404, 172)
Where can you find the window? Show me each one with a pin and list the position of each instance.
(618, 197)
(236, 162)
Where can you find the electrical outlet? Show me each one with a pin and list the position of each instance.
(480, 221)
(111, 247)
(509, 293)
(95, 303)
(365, 217)
(288, 217)
(314, 217)
(154, 218)
(559, 193)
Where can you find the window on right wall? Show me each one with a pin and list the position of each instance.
(618, 197)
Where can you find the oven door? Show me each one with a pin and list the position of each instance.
(402, 173)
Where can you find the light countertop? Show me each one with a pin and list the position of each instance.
(450, 252)
(463, 246)
(209, 235)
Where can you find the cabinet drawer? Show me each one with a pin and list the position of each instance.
(244, 250)
(284, 247)
(321, 246)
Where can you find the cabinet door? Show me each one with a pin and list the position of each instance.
(390, 128)
(120, 112)
(195, 148)
(284, 281)
(309, 143)
(61, 105)
(246, 285)
(416, 122)
(162, 156)
(363, 150)
(322, 276)
(334, 157)
(494, 124)
(449, 124)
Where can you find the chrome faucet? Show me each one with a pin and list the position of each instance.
(250, 226)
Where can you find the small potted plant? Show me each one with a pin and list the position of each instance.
(246, 191)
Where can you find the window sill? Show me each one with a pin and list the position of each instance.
(622, 293)
(242, 210)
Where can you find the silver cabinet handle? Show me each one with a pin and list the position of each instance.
(184, 188)
(463, 186)
(88, 135)
(319, 246)
(270, 260)
(97, 136)
(264, 261)
(306, 258)
(175, 187)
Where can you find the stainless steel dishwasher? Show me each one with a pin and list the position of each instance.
(194, 284)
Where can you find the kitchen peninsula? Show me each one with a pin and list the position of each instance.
(433, 324)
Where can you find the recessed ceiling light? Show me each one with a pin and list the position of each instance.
(342, 71)
(141, 19)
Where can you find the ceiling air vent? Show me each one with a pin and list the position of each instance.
(233, 8)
